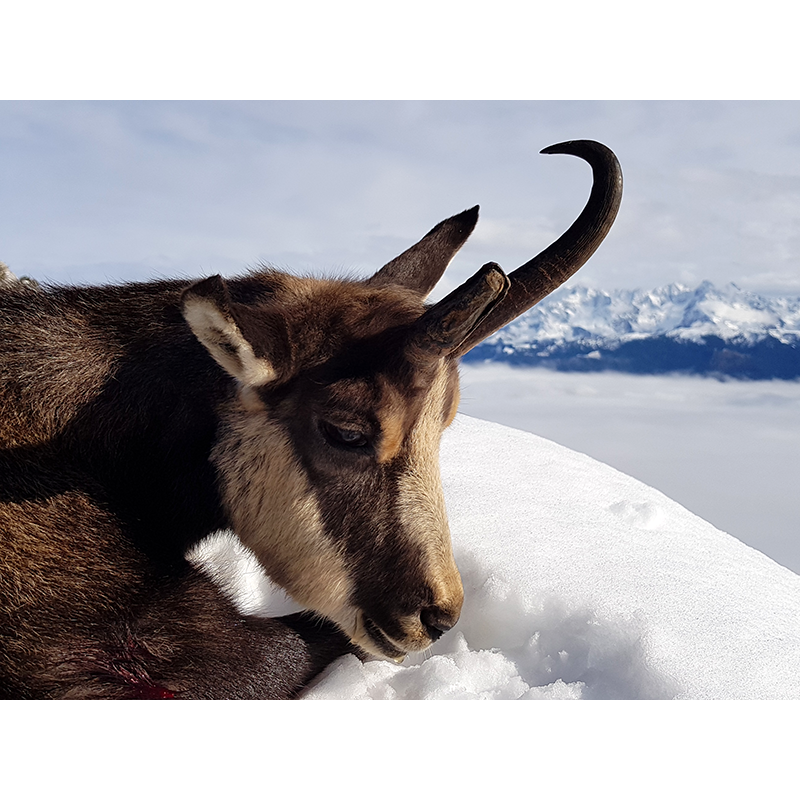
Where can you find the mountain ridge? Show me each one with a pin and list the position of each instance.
(706, 330)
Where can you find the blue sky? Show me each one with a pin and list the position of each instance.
(110, 191)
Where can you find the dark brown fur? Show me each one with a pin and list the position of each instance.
(135, 420)
(108, 417)
(110, 410)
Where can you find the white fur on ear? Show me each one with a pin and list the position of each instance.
(223, 339)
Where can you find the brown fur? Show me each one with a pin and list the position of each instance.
(81, 572)
(136, 420)
(309, 510)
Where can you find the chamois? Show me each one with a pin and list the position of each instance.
(304, 414)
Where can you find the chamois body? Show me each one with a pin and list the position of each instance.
(110, 382)
(110, 407)
(303, 414)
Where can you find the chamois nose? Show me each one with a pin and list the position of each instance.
(437, 621)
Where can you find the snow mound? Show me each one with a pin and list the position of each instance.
(580, 583)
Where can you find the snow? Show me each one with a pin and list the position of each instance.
(580, 583)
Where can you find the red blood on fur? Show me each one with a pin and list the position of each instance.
(153, 693)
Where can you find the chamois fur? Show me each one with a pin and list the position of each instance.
(109, 412)
(303, 414)
(110, 436)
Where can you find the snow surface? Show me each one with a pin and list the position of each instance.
(580, 583)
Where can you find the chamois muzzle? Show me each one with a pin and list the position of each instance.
(437, 621)
(399, 636)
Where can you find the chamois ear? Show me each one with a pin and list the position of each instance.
(420, 267)
(208, 310)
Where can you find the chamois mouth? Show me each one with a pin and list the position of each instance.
(381, 641)
(370, 637)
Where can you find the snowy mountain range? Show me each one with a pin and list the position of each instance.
(706, 330)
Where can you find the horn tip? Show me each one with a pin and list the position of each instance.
(553, 149)
(583, 148)
(494, 277)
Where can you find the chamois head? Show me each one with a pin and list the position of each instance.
(329, 454)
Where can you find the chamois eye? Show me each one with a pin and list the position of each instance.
(344, 437)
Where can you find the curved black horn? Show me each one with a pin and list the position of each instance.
(547, 271)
